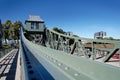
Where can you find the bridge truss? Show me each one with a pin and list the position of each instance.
(56, 60)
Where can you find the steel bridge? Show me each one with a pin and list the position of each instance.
(61, 57)
(60, 60)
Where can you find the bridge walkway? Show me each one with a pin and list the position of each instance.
(8, 66)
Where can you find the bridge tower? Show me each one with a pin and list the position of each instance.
(35, 27)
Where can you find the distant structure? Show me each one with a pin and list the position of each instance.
(34, 24)
(0, 34)
(70, 33)
(99, 35)
(35, 27)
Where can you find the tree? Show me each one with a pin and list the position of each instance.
(6, 28)
(75, 36)
(11, 31)
(108, 38)
(16, 30)
(55, 29)
(111, 38)
(59, 30)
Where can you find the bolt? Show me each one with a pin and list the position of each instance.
(33, 79)
(28, 62)
(55, 60)
(59, 64)
(27, 59)
(29, 66)
(31, 72)
(66, 68)
(76, 74)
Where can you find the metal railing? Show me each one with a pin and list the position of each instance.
(61, 66)
(79, 45)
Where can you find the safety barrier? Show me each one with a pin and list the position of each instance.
(62, 66)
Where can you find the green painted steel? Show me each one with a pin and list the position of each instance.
(24, 74)
(75, 68)
(110, 55)
(28, 28)
(34, 26)
(78, 45)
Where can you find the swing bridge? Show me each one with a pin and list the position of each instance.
(61, 57)
(58, 59)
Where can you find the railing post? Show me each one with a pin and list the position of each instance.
(73, 48)
(93, 51)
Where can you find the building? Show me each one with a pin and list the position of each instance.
(99, 35)
(35, 27)
(70, 33)
(34, 24)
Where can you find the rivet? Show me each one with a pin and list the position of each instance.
(33, 79)
(29, 66)
(31, 72)
(51, 58)
(76, 74)
(59, 64)
(55, 60)
(28, 62)
(66, 68)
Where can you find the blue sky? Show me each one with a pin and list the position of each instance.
(82, 17)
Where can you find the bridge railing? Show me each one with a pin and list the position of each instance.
(62, 42)
(24, 72)
(73, 67)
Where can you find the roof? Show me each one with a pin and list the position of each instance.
(34, 18)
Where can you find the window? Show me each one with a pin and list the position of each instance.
(32, 25)
(37, 25)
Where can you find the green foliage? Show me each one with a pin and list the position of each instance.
(11, 30)
(6, 29)
(8, 24)
(108, 38)
(5, 46)
(75, 36)
(59, 30)
(16, 30)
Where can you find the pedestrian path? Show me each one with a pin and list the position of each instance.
(8, 65)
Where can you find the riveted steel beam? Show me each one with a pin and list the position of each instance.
(62, 66)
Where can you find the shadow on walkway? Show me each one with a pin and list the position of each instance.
(8, 66)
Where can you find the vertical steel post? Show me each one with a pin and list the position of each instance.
(93, 51)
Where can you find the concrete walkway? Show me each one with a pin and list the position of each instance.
(8, 65)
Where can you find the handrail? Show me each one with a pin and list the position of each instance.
(79, 44)
(73, 67)
(87, 39)
(24, 74)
